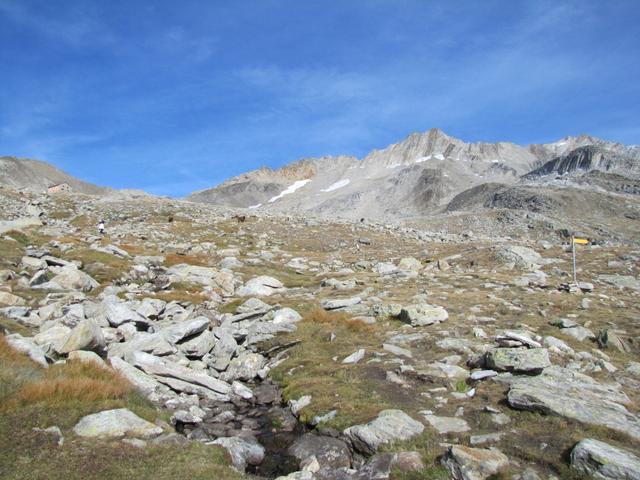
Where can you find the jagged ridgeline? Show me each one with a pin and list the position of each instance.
(424, 173)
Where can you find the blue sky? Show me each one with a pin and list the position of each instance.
(175, 96)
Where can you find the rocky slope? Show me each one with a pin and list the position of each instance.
(587, 159)
(415, 177)
(37, 176)
(310, 349)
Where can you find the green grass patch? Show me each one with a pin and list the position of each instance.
(10, 253)
(429, 449)
(104, 267)
(353, 390)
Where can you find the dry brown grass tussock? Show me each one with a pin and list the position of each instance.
(73, 382)
(320, 316)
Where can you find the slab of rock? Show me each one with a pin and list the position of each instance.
(465, 463)
(87, 335)
(482, 374)
(143, 382)
(199, 346)
(396, 350)
(579, 332)
(261, 286)
(340, 303)
(164, 369)
(574, 395)
(385, 268)
(391, 425)
(603, 461)
(621, 281)
(410, 263)
(151, 308)
(115, 423)
(223, 282)
(117, 313)
(286, 315)
(86, 357)
(519, 337)
(52, 339)
(355, 357)
(69, 278)
(445, 425)
(297, 405)
(28, 347)
(183, 330)
(423, 314)
(223, 350)
(142, 342)
(252, 305)
(441, 370)
(521, 257)
(329, 452)
(243, 451)
(10, 300)
(520, 360)
(245, 366)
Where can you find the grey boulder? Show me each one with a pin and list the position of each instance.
(391, 425)
(520, 360)
(243, 451)
(571, 394)
(86, 336)
(466, 463)
(423, 314)
(115, 423)
(330, 452)
(603, 461)
(261, 286)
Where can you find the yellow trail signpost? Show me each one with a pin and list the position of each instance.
(578, 241)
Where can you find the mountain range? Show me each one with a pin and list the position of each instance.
(424, 174)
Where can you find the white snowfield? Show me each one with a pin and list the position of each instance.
(437, 156)
(290, 189)
(255, 206)
(337, 185)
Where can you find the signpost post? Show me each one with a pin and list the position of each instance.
(580, 241)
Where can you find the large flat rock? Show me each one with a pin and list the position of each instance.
(571, 394)
(391, 425)
(466, 463)
(115, 423)
(520, 360)
(603, 461)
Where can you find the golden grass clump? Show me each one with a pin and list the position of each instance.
(321, 316)
(74, 381)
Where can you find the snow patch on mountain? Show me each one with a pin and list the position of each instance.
(290, 189)
(337, 185)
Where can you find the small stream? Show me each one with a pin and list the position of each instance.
(265, 417)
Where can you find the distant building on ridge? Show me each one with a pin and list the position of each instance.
(60, 187)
